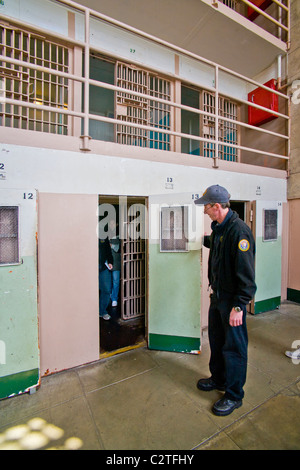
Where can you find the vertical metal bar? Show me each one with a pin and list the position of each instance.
(27, 89)
(288, 15)
(289, 123)
(134, 280)
(85, 145)
(43, 84)
(216, 155)
(34, 72)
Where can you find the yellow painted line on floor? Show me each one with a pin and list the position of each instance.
(121, 350)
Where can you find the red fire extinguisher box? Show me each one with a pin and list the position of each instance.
(264, 98)
(262, 4)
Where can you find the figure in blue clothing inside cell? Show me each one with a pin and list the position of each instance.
(105, 277)
(116, 253)
(231, 277)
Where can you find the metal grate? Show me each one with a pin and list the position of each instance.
(270, 225)
(32, 86)
(140, 110)
(9, 235)
(173, 227)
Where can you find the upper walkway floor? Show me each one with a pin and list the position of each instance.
(71, 72)
(243, 35)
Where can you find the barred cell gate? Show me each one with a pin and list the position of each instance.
(133, 278)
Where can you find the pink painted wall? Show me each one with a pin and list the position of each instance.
(68, 280)
(294, 247)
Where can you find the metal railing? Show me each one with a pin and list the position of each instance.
(85, 115)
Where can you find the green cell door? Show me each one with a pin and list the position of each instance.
(174, 294)
(19, 350)
(268, 238)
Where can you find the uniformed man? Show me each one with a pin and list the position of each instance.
(232, 280)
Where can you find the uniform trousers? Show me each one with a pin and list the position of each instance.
(105, 284)
(228, 345)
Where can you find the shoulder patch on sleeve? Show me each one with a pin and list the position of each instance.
(244, 245)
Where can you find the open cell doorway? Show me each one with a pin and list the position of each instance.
(239, 207)
(122, 224)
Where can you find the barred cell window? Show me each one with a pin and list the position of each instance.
(174, 224)
(132, 108)
(204, 125)
(159, 113)
(140, 110)
(228, 132)
(270, 225)
(9, 235)
(208, 128)
(21, 83)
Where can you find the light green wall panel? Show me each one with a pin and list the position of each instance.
(268, 269)
(174, 293)
(267, 259)
(18, 320)
(19, 345)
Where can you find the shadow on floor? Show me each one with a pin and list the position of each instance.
(118, 334)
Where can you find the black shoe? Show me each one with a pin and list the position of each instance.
(225, 406)
(207, 385)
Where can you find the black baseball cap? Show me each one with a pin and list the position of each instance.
(213, 194)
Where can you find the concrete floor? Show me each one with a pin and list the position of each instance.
(146, 399)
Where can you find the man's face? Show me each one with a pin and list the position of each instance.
(210, 210)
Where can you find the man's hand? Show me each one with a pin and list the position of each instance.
(236, 318)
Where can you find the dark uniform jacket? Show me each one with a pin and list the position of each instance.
(235, 273)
